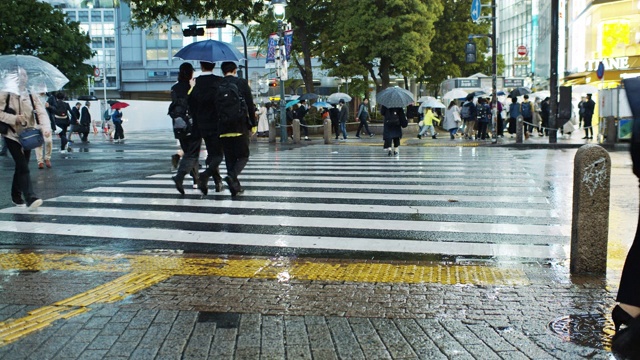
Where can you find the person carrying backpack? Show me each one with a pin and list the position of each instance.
(483, 111)
(526, 110)
(116, 117)
(469, 115)
(394, 120)
(61, 112)
(237, 117)
(183, 129)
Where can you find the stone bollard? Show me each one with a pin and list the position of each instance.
(272, 131)
(519, 129)
(296, 131)
(327, 130)
(590, 220)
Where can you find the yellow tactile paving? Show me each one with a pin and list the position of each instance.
(40, 318)
(264, 268)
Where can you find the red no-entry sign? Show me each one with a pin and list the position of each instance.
(522, 50)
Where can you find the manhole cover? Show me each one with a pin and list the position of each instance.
(590, 330)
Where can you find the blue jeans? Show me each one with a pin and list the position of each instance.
(343, 128)
(429, 128)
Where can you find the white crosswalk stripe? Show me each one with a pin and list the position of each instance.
(361, 200)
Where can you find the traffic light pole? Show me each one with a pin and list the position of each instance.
(279, 61)
(553, 79)
(494, 80)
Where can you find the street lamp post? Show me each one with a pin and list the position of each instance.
(222, 23)
(279, 12)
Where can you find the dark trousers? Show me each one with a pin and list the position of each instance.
(236, 154)
(500, 125)
(21, 185)
(528, 127)
(63, 136)
(303, 125)
(366, 127)
(84, 136)
(336, 128)
(190, 145)
(482, 129)
(119, 135)
(629, 291)
(214, 157)
(387, 143)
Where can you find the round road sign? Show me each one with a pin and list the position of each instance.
(96, 71)
(522, 50)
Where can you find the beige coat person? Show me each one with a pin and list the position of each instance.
(24, 117)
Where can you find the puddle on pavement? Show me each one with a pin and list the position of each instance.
(222, 320)
(589, 330)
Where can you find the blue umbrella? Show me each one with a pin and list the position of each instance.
(210, 51)
(291, 103)
(322, 104)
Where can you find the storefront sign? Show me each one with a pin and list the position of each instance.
(513, 83)
(467, 83)
(619, 63)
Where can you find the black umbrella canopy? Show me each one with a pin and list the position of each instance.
(519, 92)
(308, 96)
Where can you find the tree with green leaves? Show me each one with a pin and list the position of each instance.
(31, 27)
(392, 35)
(452, 32)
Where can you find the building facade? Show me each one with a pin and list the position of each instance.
(606, 32)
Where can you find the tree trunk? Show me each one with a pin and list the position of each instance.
(306, 70)
(385, 66)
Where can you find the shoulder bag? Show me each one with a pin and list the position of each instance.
(31, 138)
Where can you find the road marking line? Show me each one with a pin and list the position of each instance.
(548, 250)
(529, 199)
(266, 205)
(301, 221)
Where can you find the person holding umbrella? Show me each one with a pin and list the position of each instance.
(343, 116)
(394, 120)
(20, 111)
(116, 118)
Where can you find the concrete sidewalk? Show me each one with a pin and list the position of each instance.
(296, 309)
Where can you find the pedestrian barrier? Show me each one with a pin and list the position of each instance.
(590, 218)
(519, 129)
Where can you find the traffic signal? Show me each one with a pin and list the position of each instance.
(470, 52)
(193, 30)
(273, 83)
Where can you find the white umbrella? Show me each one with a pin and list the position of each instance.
(336, 97)
(455, 94)
(540, 94)
(433, 103)
(40, 75)
(584, 89)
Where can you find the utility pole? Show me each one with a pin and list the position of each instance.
(553, 79)
(494, 80)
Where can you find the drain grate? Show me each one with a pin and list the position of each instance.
(590, 330)
(222, 320)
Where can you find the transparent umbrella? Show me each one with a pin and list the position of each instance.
(336, 97)
(40, 75)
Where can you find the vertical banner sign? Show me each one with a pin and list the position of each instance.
(271, 51)
(288, 40)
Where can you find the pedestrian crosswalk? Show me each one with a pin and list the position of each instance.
(476, 202)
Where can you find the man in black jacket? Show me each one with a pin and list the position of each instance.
(300, 114)
(85, 122)
(235, 136)
(205, 119)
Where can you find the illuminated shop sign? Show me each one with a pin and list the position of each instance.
(619, 63)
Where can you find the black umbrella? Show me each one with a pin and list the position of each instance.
(308, 96)
(111, 102)
(519, 92)
(87, 97)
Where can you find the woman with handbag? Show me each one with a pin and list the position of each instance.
(20, 112)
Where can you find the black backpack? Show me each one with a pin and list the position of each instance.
(61, 108)
(178, 110)
(392, 118)
(230, 105)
